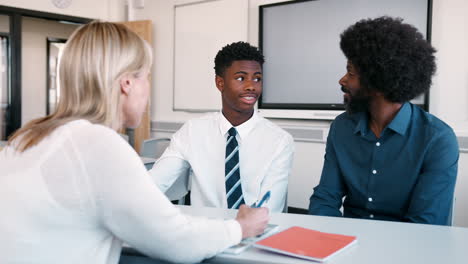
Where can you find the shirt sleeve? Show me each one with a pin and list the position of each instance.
(132, 208)
(432, 199)
(327, 197)
(276, 179)
(172, 164)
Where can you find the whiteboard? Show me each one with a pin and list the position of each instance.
(201, 30)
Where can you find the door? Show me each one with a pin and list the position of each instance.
(4, 75)
(144, 29)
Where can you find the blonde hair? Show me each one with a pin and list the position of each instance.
(95, 58)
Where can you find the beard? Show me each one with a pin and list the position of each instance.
(359, 102)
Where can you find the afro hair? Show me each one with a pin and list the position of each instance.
(391, 57)
(234, 52)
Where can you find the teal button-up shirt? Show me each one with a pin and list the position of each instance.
(408, 174)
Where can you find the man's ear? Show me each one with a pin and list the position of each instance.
(125, 85)
(219, 83)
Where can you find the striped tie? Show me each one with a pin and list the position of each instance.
(233, 184)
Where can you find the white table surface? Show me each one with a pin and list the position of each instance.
(378, 241)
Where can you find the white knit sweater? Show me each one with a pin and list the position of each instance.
(83, 191)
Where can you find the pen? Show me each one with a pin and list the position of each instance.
(265, 198)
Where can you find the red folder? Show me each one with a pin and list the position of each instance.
(306, 243)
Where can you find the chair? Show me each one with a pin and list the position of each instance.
(129, 259)
(3, 144)
(154, 147)
(179, 189)
(151, 150)
(451, 215)
(285, 209)
(124, 136)
(148, 162)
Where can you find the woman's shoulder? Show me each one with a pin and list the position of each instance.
(86, 134)
(85, 129)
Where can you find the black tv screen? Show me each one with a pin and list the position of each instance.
(300, 42)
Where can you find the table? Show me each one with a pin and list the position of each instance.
(378, 241)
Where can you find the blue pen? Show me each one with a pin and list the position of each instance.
(265, 198)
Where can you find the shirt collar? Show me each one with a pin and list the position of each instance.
(401, 121)
(242, 130)
(362, 124)
(399, 124)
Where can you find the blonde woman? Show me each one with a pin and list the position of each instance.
(72, 191)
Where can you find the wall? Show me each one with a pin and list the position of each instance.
(81, 8)
(448, 94)
(4, 24)
(35, 32)
(34, 38)
(304, 177)
(162, 14)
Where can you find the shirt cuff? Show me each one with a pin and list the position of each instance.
(235, 231)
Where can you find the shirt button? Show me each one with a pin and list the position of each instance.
(371, 216)
(374, 172)
(377, 144)
(370, 199)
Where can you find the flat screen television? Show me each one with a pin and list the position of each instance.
(303, 60)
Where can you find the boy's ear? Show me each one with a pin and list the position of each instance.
(125, 85)
(219, 83)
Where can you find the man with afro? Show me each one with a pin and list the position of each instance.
(235, 156)
(388, 159)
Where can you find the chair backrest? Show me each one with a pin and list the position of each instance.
(451, 215)
(179, 188)
(285, 209)
(148, 162)
(124, 136)
(154, 147)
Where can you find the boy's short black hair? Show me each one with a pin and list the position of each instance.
(234, 52)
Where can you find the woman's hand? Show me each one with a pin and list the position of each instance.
(253, 221)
